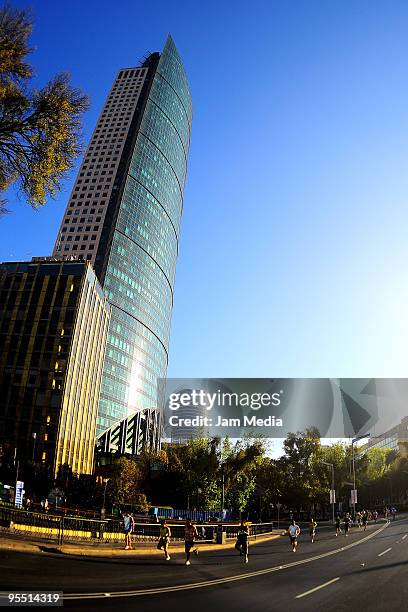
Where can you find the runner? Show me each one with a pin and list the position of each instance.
(312, 529)
(337, 525)
(347, 523)
(190, 532)
(365, 519)
(375, 516)
(242, 540)
(294, 532)
(164, 539)
(128, 524)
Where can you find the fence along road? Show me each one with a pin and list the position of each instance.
(60, 528)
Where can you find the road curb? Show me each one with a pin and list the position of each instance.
(73, 550)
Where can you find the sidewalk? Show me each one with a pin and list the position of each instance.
(142, 549)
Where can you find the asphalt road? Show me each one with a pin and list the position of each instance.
(365, 571)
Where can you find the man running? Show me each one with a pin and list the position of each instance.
(338, 530)
(347, 523)
(242, 540)
(312, 529)
(190, 532)
(164, 539)
(294, 532)
(364, 519)
(128, 524)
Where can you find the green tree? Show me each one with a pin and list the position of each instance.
(198, 463)
(377, 463)
(303, 485)
(124, 485)
(39, 129)
(270, 483)
(240, 463)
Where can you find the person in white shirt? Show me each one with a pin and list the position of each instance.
(294, 532)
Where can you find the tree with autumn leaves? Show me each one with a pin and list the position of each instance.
(39, 128)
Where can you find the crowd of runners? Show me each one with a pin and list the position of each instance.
(341, 524)
(191, 536)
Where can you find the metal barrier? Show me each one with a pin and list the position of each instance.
(255, 529)
(201, 516)
(71, 528)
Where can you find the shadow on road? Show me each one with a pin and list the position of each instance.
(48, 549)
(377, 568)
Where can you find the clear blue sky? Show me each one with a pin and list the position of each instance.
(293, 254)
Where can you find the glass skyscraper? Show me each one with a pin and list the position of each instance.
(124, 216)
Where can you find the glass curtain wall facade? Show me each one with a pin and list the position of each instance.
(53, 327)
(80, 400)
(123, 216)
(138, 270)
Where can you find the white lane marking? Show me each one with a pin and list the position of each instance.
(384, 551)
(403, 537)
(217, 581)
(321, 586)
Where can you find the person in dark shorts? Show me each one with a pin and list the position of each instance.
(242, 540)
(294, 532)
(190, 534)
(337, 525)
(164, 539)
(312, 529)
(347, 523)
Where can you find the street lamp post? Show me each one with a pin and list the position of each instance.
(105, 480)
(405, 472)
(353, 441)
(331, 465)
(278, 505)
(34, 442)
(390, 480)
(222, 490)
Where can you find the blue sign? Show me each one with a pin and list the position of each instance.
(19, 493)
